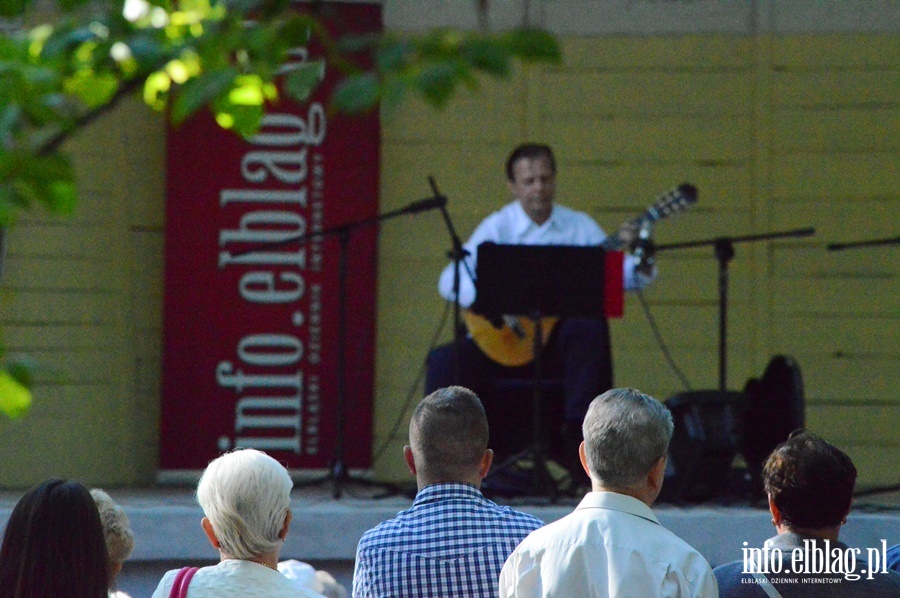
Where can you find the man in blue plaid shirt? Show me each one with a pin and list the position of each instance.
(452, 541)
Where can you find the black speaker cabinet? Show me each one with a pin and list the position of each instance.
(707, 436)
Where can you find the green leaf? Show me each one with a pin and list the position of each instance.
(62, 42)
(10, 119)
(63, 106)
(393, 55)
(352, 44)
(357, 93)
(243, 119)
(440, 42)
(15, 399)
(94, 89)
(23, 369)
(23, 194)
(71, 4)
(40, 77)
(488, 56)
(266, 9)
(245, 6)
(264, 45)
(62, 197)
(146, 50)
(27, 193)
(48, 180)
(9, 204)
(246, 119)
(12, 8)
(296, 31)
(533, 45)
(52, 167)
(200, 91)
(302, 80)
(437, 81)
(251, 90)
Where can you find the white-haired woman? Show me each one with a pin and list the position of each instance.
(246, 500)
(118, 535)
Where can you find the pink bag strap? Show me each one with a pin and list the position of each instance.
(182, 581)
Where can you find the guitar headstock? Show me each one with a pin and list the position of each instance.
(671, 202)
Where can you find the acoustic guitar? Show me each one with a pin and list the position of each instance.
(512, 343)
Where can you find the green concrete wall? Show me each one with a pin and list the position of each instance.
(777, 132)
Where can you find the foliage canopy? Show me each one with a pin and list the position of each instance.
(64, 63)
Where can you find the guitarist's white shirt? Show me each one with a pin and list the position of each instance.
(511, 225)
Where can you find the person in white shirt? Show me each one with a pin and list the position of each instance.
(578, 349)
(613, 544)
(246, 500)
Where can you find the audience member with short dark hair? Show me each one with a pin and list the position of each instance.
(118, 535)
(810, 484)
(452, 541)
(53, 545)
(246, 500)
(613, 544)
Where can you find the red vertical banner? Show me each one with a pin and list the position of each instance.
(251, 303)
(613, 277)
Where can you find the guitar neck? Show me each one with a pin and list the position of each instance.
(673, 201)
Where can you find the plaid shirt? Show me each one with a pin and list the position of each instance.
(452, 542)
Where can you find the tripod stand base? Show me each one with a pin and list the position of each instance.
(339, 477)
(527, 473)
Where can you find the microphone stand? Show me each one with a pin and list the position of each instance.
(458, 253)
(724, 251)
(338, 474)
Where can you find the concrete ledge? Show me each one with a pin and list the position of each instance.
(330, 529)
(166, 523)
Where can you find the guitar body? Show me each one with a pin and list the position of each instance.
(506, 345)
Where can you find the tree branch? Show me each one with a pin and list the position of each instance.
(90, 116)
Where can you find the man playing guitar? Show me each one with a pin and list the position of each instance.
(578, 350)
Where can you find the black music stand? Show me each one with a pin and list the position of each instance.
(538, 281)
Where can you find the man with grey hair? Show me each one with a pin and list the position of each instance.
(612, 544)
(452, 541)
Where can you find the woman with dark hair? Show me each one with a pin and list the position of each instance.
(53, 545)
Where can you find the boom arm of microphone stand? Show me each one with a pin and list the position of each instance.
(870, 243)
(800, 232)
(341, 230)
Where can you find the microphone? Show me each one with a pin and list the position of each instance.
(436, 202)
